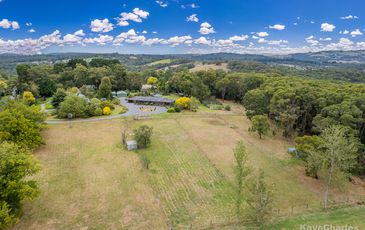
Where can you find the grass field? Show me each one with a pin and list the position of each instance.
(163, 61)
(89, 182)
(351, 216)
(200, 66)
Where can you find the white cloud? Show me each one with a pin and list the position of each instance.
(262, 34)
(192, 18)
(74, 38)
(356, 32)
(174, 41)
(161, 3)
(277, 27)
(325, 39)
(6, 24)
(15, 25)
(237, 38)
(31, 31)
(28, 24)
(206, 28)
(349, 17)
(312, 40)
(137, 15)
(326, 27)
(144, 32)
(101, 26)
(202, 41)
(101, 40)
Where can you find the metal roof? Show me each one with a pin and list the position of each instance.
(151, 99)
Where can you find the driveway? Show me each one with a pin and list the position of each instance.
(133, 110)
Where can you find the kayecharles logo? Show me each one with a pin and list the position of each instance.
(328, 227)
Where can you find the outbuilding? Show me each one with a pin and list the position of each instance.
(120, 94)
(131, 145)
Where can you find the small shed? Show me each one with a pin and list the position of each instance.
(131, 145)
(294, 151)
(120, 94)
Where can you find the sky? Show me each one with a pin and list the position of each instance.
(181, 26)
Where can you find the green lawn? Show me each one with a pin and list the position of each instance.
(350, 216)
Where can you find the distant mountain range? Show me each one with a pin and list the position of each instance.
(318, 59)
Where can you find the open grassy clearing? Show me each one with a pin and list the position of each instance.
(163, 61)
(88, 180)
(200, 66)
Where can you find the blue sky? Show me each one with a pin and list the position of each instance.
(181, 26)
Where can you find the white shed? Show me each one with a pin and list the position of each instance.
(131, 145)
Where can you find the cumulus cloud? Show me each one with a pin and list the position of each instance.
(192, 18)
(326, 27)
(262, 34)
(206, 28)
(101, 26)
(237, 38)
(6, 24)
(31, 31)
(74, 38)
(136, 16)
(101, 40)
(202, 41)
(277, 27)
(177, 40)
(356, 33)
(349, 17)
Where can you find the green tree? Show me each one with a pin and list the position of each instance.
(143, 135)
(259, 200)
(58, 97)
(241, 172)
(337, 156)
(16, 166)
(305, 145)
(260, 124)
(105, 88)
(72, 105)
(21, 124)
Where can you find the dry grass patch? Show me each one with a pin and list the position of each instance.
(88, 182)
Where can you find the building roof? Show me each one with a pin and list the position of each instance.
(151, 99)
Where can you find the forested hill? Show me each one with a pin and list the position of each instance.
(334, 65)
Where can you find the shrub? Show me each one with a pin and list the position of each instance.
(177, 109)
(227, 107)
(28, 97)
(107, 103)
(152, 81)
(143, 136)
(183, 102)
(116, 101)
(107, 111)
(171, 110)
(98, 112)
